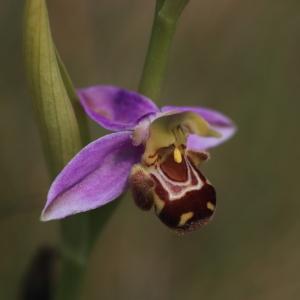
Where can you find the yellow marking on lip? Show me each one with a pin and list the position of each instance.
(177, 155)
(210, 206)
(159, 204)
(185, 217)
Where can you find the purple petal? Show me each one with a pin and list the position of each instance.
(115, 108)
(217, 121)
(95, 176)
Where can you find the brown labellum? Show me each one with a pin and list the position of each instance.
(183, 199)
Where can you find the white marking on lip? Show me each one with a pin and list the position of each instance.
(186, 186)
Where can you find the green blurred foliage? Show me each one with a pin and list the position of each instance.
(240, 57)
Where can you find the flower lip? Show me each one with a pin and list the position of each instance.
(182, 197)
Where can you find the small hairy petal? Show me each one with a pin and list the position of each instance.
(141, 185)
(115, 108)
(216, 120)
(199, 143)
(95, 176)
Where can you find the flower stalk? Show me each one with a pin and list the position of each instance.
(167, 14)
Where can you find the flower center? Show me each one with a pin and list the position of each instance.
(177, 156)
(170, 132)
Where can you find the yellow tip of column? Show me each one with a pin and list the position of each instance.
(177, 155)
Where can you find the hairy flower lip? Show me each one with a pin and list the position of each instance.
(86, 181)
(183, 198)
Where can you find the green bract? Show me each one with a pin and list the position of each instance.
(57, 120)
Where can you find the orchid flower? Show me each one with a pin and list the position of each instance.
(157, 152)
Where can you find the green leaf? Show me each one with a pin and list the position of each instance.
(57, 119)
(57, 109)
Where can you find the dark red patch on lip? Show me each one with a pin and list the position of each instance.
(163, 194)
(159, 190)
(193, 201)
(173, 170)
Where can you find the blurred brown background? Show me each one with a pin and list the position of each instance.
(240, 57)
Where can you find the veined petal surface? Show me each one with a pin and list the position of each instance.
(115, 108)
(95, 176)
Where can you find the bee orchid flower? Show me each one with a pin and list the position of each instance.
(157, 152)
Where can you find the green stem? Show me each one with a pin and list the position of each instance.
(79, 234)
(72, 277)
(167, 13)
